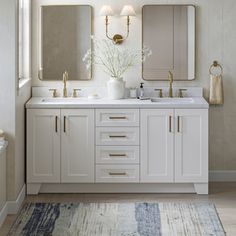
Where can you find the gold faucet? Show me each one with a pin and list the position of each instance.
(170, 78)
(65, 78)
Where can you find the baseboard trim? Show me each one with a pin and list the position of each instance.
(3, 214)
(12, 207)
(223, 176)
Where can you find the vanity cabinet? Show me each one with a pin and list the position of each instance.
(60, 145)
(138, 150)
(157, 145)
(77, 146)
(191, 145)
(43, 145)
(174, 145)
(117, 146)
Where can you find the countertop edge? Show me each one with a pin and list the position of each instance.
(113, 106)
(35, 103)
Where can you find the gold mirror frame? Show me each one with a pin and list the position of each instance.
(40, 53)
(142, 43)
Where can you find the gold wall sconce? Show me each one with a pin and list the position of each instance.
(127, 11)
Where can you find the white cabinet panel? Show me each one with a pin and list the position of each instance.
(117, 173)
(117, 117)
(191, 145)
(157, 139)
(77, 146)
(43, 146)
(117, 136)
(117, 154)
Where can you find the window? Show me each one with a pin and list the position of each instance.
(20, 39)
(23, 33)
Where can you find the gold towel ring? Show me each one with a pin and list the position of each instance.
(214, 65)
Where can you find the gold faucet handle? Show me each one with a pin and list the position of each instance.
(74, 95)
(181, 92)
(160, 92)
(54, 92)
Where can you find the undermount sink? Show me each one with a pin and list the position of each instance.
(173, 100)
(62, 100)
(71, 100)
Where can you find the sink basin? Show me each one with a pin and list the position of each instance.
(173, 100)
(63, 100)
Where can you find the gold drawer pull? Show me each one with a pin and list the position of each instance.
(56, 118)
(117, 173)
(117, 117)
(64, 121)
(117, 155)
(178, 124)
(170, 124)
(117, 136)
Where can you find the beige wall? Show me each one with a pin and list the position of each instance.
(216, 36)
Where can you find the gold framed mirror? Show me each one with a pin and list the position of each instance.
(169, 30)
(65, 36)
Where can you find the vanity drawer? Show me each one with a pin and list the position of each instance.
(117, 136)
(117, 173)
(117, 117)
(117, 154)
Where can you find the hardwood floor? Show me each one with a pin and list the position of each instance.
(223, 195)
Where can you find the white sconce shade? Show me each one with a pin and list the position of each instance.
(106, 11)
(128, 10)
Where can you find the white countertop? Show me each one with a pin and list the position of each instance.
(40, 102)
(3, 146)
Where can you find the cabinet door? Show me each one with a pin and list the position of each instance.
(43, 146)
(157, 139)
(191, 145)
(77, 146)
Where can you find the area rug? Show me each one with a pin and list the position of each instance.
(117, 219)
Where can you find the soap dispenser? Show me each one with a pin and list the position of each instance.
(141, 90)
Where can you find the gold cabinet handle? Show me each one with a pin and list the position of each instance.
(170, 124)
(117, 136)
(117, 117)
(74, 94)
(117, 173)
(56, 118)
(64, 124)
(181, 92)
(160, 92)
(178, 124)
(117, 155)
(54, 92)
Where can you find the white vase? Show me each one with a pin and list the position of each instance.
(116, 88)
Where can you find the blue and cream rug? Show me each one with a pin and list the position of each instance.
(117, 219)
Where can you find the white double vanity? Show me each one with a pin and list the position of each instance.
(127, 145)
(77, 144)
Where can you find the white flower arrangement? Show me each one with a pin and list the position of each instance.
(113, 59)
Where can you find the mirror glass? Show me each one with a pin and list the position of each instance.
(65, 37)
(169, 30)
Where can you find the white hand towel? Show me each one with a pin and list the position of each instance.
(216, 90)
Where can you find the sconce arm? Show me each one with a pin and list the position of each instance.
(117, 39)
(107, 23)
